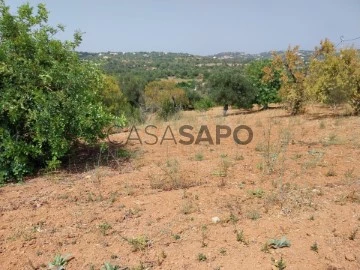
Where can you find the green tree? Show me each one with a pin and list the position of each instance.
(165, 98)
(112, 97)
(292, 69)
(48, 97)
(267, 91)
(232, 87)
(334, 76)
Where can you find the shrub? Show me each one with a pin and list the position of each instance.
(204, 104)
(49, 98)
(232, 87)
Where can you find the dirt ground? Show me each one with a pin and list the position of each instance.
(174, 206)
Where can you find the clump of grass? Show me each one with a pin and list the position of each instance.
(314, 247)
(281, 265)
(240, 237)
(170, 177)
(223, 169)
(104, 227)
(188, 207)
(199, 157)
(139, 243)
(349, 174)
(223, 251)
(253, 215)
(332, 139)
(201, 257)
(258, 193)
(176, 236)
(233, 219)
(239, 157)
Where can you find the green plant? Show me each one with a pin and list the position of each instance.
(199, 157)
(253, 215)
(49, 98)
(204, 104)
(314, 247)
(233, 219)
(258, 193)
(281, 265)
(104, 227)
(139, 243)
(59, 261)
(109, 266)
(279, 243)
(223, 251)
(240, 237)
(201, 257)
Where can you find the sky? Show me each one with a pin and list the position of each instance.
(203, 27)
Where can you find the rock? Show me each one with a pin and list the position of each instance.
(350, 257)
(215, 220)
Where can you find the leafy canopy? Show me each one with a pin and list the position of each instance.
(232, 88)
(48, 97)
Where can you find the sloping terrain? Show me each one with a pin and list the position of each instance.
(175, 206)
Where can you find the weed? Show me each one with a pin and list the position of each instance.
(109, 266)
(311, 218)
(223, 169)
(240, 237)
(223, 251)
(265, 248)
(239, 157)
(258, 193)
(104, 227)
(188, 207)
(199, 157)
(281, 265)
(253, 215)
(170, 178)
(139, 243)
(349, 174)
(314, 247)
(176, 236)
(233, 219)
(59, 262)
(322, 125)
(201, 257)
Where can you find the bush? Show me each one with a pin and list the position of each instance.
(232, 87)
(204, 104)
(165, 98)
(49, 98)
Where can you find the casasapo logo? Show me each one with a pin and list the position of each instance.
(186, 135)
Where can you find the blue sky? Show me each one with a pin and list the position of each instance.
(203, 27)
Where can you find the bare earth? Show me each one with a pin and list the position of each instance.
(155, 210)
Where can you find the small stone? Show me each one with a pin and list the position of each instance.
(350, 257)
(215, 220)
